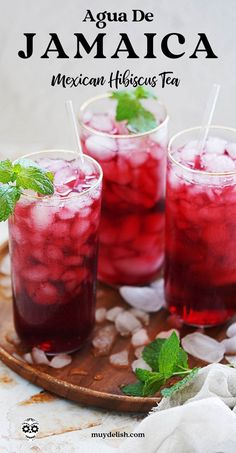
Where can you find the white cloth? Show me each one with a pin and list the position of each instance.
(195, 419)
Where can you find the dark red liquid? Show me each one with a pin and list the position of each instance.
(54, 261)
(132, 224)
(200, 268)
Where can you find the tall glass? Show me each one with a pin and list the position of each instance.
(200, 266)
(132, 224)
(53, 247)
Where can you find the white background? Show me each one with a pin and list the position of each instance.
(32, 113)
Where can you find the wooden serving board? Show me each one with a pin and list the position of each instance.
(88, 379)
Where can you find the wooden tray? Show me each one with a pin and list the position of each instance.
(89, 380)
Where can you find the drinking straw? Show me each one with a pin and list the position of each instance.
(72, 118)
(208, 115)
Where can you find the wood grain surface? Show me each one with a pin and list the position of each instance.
(88, 379)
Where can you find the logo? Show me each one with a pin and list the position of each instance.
(30, 428)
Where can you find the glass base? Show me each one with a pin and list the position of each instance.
(203, 319)
(53, 347)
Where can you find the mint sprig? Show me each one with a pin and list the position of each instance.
(6, 171)
(167, 359)
(22, 174)
(129, 108)
(9, 195)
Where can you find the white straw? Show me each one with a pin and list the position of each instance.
(208, 115)
(72, 117)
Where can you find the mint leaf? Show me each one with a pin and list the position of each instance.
(9, 195)
(168, 356)
(144, 93)
(6, 171)
(129, 108)
(182, 362)
(26, 163)
(50, 175)
(143, 122)
(167, 392)
(32, 177)
(26, 174)
(153, 384)
(151, 353)
(135, 389)
(144, 375)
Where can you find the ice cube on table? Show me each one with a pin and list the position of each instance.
(230, 345)
(215, 145)
(103, 340)
(119, 359)
(113, 312)
(231, 331)
(100, 314)
(126, 323)
(159, 286)
(140, 363)
(60, 361)
(39, 356)
(138, 351)
(28, 358)
(101, 148)
(231, 359)
(140, 338)
(167, 333)
(203, 347)
(144, 298)
(141, 315)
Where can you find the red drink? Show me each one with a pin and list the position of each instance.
(200, 269)
(53, 243)
(132, 223)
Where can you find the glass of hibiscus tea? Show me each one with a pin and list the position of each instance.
(126, 132)
(53, 247)
(200, 266)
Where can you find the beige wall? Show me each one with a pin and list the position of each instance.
(32, 114)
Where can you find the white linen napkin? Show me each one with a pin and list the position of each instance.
(195, 419)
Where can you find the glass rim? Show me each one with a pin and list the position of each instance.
(125, 136)
(69, 196)
(193, 170)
